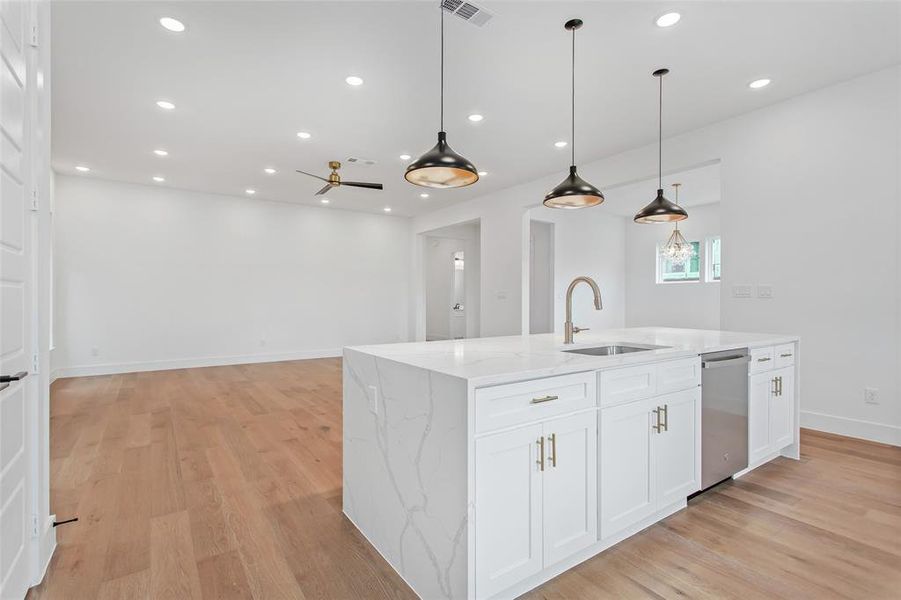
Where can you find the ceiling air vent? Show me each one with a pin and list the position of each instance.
(356, 160)
(467, 11)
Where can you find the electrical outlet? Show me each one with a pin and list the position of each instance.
(95, 351)
(373, 399)
(765, 291)
(262, 343)
(871, 395)
(742, 290)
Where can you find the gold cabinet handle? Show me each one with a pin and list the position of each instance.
(540, 460)
(656, 427)
(553, 457)
(779, 379)
(666, 417)
(543, 399)
(775, 390)
(764, 359)
(785, 355)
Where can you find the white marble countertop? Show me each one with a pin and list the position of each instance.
(489, 361)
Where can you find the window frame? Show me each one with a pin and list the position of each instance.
(660, 260)
(708, 259)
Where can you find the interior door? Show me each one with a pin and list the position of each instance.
(570, 485)
(677, 447)
(782, 409)
(759, 416)
(16, 333)
(627, 486)
(508, 509)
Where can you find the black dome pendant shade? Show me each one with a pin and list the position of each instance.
(660, 210)
(441, 167)
(573, 192)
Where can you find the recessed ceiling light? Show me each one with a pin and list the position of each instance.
(159, 179)
(668, 20)
(269, 171)
(82, 168)
(324, 200)
(482, 173)
(172, 24)
(475, 118)
(560, 144)
(387, 209)
(250, 191)
(353, 80)
(160, 152)
(165, 104)
(423, 195)
(304, 135)
(405, 157)
(759, 83)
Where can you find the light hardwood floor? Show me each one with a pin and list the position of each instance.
(225, 482)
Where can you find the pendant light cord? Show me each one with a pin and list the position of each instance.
(660, 137)
(572, 123)
(441, 8)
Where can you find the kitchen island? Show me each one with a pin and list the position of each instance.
(481, 468)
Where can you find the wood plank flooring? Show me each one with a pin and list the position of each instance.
(225, 482)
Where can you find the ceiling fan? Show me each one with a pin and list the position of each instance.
(334, 180)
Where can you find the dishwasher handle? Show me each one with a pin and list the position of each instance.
(726, 361)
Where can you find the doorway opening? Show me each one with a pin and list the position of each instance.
(451, 277)
(541, 277)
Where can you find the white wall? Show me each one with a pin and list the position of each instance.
(153, 277)
(588, 243)
(541, 277)
(693, 304)
(794, 174)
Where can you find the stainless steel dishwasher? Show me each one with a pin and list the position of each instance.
(724, 415)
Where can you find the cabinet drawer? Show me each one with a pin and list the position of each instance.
(761, 360)
(516, 403)
(784, 355)
(677, 375)
(629, 383)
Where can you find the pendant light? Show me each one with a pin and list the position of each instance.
(441, 167)
(660, 210)
(677, 250)
(573, 192)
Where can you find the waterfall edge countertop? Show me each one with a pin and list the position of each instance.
(495, 360)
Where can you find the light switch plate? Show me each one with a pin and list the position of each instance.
(741, 290)
(871, 395)
(765, 291)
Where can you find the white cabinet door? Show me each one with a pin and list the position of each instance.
(626, 457)
(677, 447)
(570, 485)
(782, 409)
(759, 416)
(508, 509)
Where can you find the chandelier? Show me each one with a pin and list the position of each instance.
(677, 250)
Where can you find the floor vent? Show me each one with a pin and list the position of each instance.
(467, 11)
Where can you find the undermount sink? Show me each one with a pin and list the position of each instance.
(612, 349)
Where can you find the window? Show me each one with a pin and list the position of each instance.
(690, 270)
(713, 258)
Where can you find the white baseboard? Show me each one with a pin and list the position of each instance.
(189, 363)
(865, 430)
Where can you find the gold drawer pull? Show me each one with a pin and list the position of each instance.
(544, 399)
(553, 457)
(785, 355)
(764, 359)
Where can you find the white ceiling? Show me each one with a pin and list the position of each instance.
(247, 76)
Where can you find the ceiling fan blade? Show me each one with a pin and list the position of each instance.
(311, 175)
(324, 190)
(363, 184)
